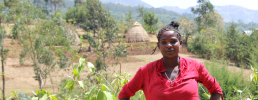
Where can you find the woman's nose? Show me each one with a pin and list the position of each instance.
(169, 45)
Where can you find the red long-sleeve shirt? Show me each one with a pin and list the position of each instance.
(157, 87)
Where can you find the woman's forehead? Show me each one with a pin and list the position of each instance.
(168, 33)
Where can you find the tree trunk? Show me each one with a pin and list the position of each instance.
(40, 79)
(2, 56)
(55, 8)
(51, 2)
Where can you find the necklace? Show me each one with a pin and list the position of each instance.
(174, 78)
(168, 78)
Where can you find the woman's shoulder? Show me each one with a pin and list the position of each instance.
(191, 61)
(151, 65)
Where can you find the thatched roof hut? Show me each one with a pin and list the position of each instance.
(137, 34)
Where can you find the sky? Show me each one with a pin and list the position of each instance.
(250, 4)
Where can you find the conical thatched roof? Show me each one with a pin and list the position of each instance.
(137, 34)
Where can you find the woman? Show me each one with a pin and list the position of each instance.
(171, 77)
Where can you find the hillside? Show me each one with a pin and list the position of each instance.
(119, 8)
(128, 2)
(229, 13)
(164, 16)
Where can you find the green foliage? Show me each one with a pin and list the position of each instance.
(25, 10)
(150, 22)
(209, 43)
(38, 95)
(77, 14)
(39, 43)
(226, 78)
(164, 16)
(129, 19)
(202, 11)
(187, 27)
(101, 89)
(242, 26)
(235, 45)
(95, 16)
(141, 10)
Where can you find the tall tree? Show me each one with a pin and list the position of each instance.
(129, 15)
(77, 3)
(188, 28)
(40, 46)
(2, 50)
(95, 15)
(58, 4)
(37, 2)
(141, 11)
(233, 45)
(150, 22)
(201, 11)
(129, 19)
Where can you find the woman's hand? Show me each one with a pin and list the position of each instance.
(214, 96)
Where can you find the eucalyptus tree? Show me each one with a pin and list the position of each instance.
(46, 42)
(3, 15)
(47, 45)
(95, 16)
(201, 11)
(26, 11)
(150, 22)
(141, 11)
(188, 28)
(233, 46)
(77, 13)
(77, 3)
(129, 19)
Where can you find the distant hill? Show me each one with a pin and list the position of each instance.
(229, 13)
(119, 8)
(122, 2)
(235, 13)
(174, 8)
(128, 2)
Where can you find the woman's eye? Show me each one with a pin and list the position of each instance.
(163, 42)
(173, 42)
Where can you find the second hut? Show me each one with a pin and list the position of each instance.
(137, 34)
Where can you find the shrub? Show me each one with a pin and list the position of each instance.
(226, 78)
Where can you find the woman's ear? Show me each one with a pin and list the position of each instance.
(158, 44)
(181, 43)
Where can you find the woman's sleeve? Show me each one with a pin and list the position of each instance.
(135, 84)
(208, 81)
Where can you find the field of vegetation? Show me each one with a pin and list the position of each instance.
(83, 54)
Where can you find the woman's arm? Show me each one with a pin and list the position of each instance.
(210, 83)
(135, 84)
(214, 96)
(125, 99)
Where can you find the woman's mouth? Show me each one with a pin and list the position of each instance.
(171, 51)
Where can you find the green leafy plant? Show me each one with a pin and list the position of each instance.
(104, 90)
(38, 95)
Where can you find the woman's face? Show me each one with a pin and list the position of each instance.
(169, 44)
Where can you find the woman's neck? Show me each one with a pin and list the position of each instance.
(171, 62)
